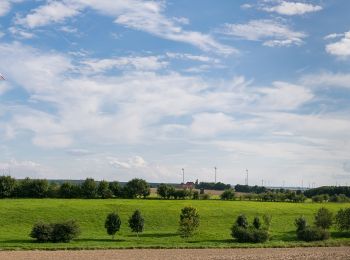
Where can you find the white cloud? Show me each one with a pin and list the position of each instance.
(292, 8)
(271, 32)
(146, 63)
(134, 162)
(4, 7)
(284, 96)
(52, 12)
(340, 48)
(145, 16)
(211, 124)
(24, 168)
(327, 79)
(333, 36)
(21, 33)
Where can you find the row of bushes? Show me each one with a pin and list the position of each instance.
(323, 221)
(41, 188)
(166, 191)
(333, 198)
(330, 190)
(257, 232)
(69, 230)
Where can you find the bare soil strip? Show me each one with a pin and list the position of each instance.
(318, 253)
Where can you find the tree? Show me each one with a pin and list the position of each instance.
(69, 190)
(300, 223)
(89, 188)
(136, 188)
(136, 222)
(165, 191)
(342, 219)
(323, 218)
(7, 186)
(189, 221)
(228, 195)
(112, 224)
(257, 223)
(103, 190)
(115, 188)
(242, 221)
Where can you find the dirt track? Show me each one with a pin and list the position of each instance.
(259, 253)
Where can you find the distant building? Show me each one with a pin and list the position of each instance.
(188, 185)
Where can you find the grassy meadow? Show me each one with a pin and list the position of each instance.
(17, 217)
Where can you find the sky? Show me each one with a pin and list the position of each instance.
(118, 89)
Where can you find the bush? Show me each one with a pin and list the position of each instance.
(55, 232)
(257, 223)
(323, 218)
(250, 234)
(312, 234)
(65, 231)
(300, 223)
(242, 221)
(204, 196)
(42, 232)
(112, 224)
(339, 198)
(342, 219)
(267, 221)
(189, 221)
(195, 195)
(136, 222)
(228, 195)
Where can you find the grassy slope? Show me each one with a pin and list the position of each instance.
(161, 220)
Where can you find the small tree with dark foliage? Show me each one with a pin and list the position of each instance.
(136, 222)
(323, 218)
(112, 224)
(342, 219)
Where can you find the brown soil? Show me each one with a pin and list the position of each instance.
(333, 253)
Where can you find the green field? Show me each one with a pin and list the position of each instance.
(161, 221)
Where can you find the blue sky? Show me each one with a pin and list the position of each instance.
(115, 89)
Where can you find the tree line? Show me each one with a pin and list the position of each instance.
(89, 189)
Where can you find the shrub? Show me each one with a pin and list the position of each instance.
(312, 234)
(250, 234)
(136, 222)
(339, 198)
(204, 196)
(300, 223)
(42, 232)
(323, 218)
(242, 221)
(342, 219)
(165, 191)
(195, 195)
(189, 221)
(112, 224)
(257, 223)
(55, 232)
(228, 195)
(267, 221)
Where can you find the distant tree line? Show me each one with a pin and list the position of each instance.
(330, 190)
(250, 189)
(89, 189)
(213, 186)
(277, 196)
